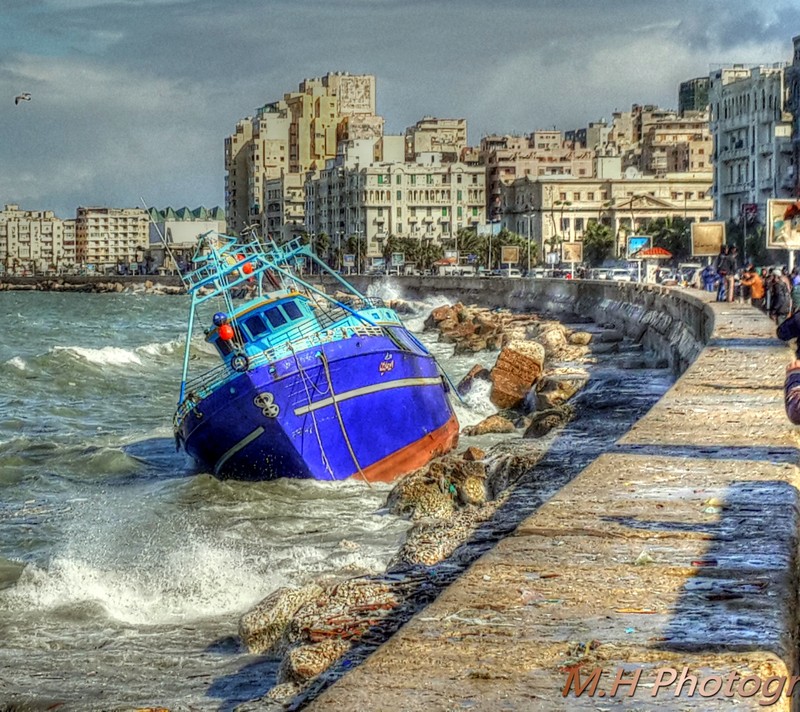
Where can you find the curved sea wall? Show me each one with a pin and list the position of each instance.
(675, 324)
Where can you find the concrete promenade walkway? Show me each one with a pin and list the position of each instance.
(676, 548)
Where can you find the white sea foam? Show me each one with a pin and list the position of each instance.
(186, 583)
(385, 289)
(17, 362)
(106, 356)
(157, 349)
(477, 404)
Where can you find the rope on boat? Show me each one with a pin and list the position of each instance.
(324, 457)
(339, 418)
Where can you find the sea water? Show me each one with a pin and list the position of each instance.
(123, 568)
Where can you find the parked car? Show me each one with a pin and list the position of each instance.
(619, 275)
(513, 273)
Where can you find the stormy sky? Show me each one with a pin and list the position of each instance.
(133, 99)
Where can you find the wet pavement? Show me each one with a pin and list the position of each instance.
(640, 551)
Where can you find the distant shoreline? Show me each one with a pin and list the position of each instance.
(98, 284)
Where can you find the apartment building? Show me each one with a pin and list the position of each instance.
(751, 126)
(555, 209)
(426, 199)
(542, 153)
(35, 242)
(693, 96)
(294, 135)
(107, 238)
(431, 135)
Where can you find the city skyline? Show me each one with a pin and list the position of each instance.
(133, 99)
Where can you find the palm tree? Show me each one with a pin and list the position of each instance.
(598, 243)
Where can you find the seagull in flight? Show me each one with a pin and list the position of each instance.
(25, 96)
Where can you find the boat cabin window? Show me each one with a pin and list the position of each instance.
(275, 317)
(292, 310)
(256, 326)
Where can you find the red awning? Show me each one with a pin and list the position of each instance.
(653, 253)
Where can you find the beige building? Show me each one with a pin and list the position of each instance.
(552, 210)
(35, 242)
(428, 200)
(543, 153)
(108, 238)
(292, 136)
(751, 127)
(447, 137)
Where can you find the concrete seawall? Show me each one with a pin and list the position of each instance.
(675, 549)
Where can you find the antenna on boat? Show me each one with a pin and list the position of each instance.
(164, 242)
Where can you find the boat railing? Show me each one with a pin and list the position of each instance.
(207, 382)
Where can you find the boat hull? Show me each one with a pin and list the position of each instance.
(371, 407)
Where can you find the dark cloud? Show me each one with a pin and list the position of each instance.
(135, 97)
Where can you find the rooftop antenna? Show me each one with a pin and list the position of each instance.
(164, 242)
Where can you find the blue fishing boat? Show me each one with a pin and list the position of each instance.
(308, 385)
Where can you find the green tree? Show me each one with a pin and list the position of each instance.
(671, 233)
(598, 244)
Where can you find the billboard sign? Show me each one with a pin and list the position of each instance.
(451, 255)
(398, 259)
(349, 260)
(638, 242)
(707, 238)
(572, 251)
(509, 254)
(783, 225)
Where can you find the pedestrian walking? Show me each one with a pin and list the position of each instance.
(780, 296)
(709, 277)
(753, 287)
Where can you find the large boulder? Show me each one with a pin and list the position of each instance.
(543, 422)
(518, 367)
(477, 372)
(262, 628)
(492, 424)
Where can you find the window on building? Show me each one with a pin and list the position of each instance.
(399, 228)
(380, 180)
(399, 194)
(474, 212)
(458, 178)
(429, 179)
(413, 180)
(399, 179)
(444, 212)
(399, 212)
(562, 197)
(578, 224)
(460, 211)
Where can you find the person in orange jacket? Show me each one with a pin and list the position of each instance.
(753, 286)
